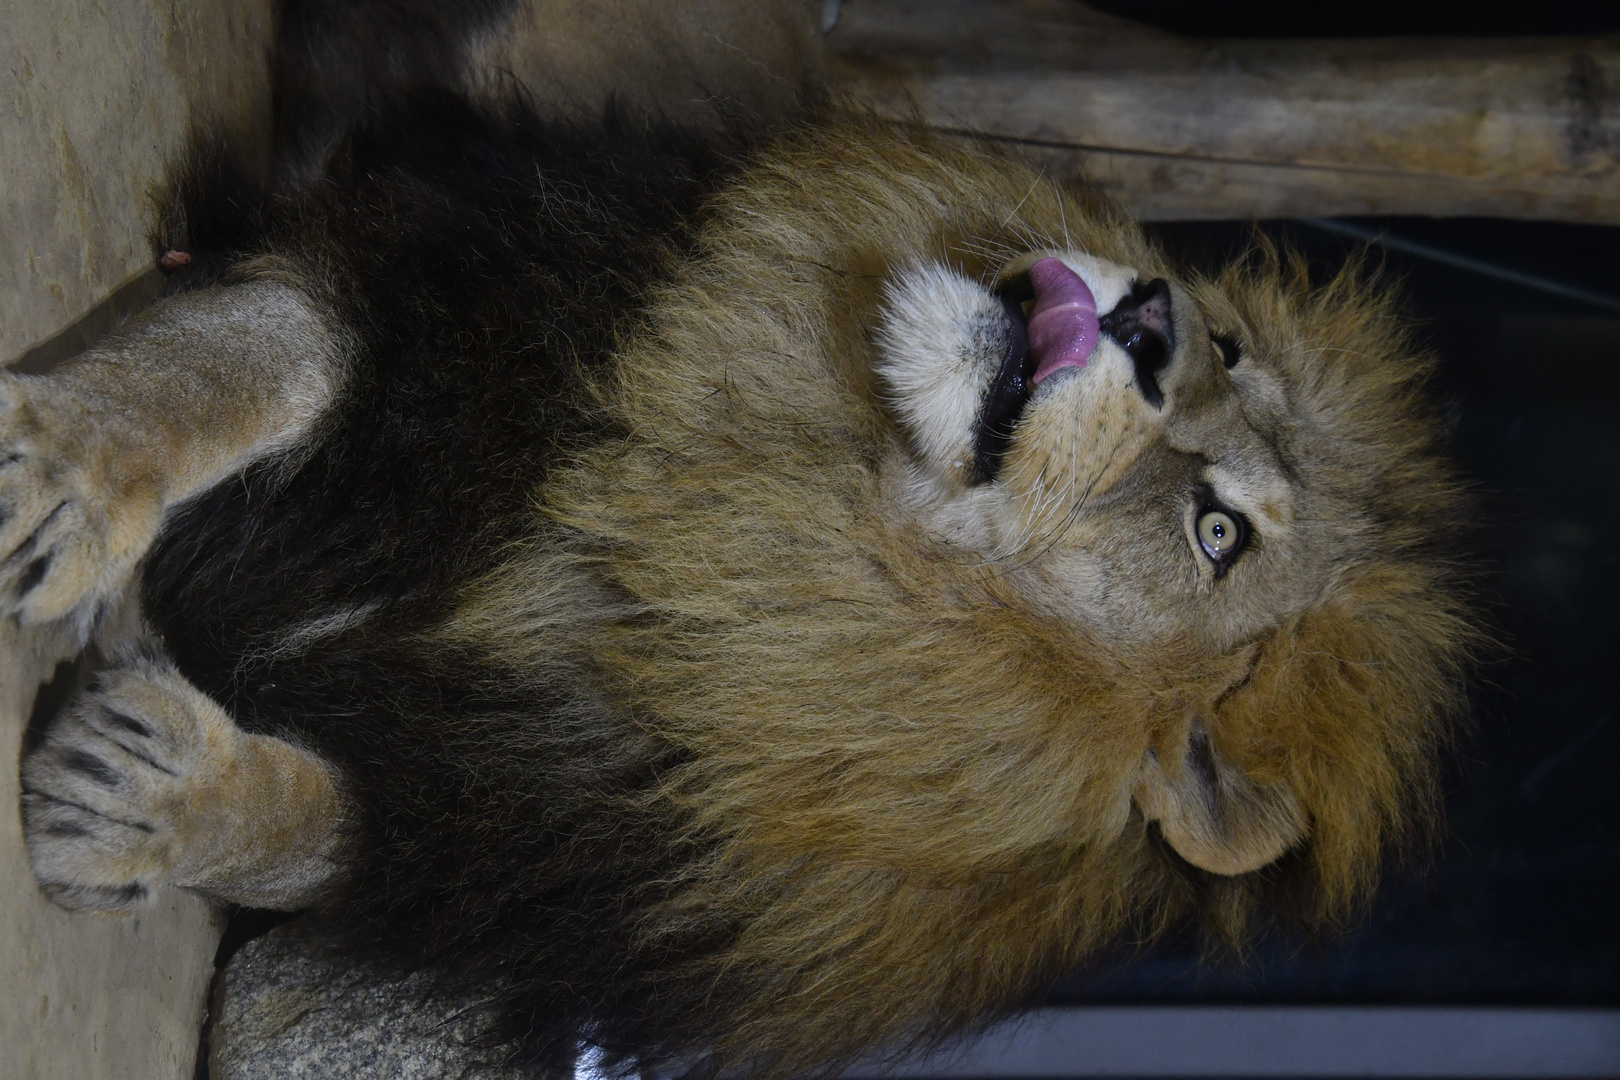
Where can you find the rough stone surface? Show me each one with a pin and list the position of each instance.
(289, 1007)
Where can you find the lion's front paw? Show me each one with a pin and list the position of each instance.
(72, 526)
(115, 796)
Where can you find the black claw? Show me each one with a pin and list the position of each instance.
(140, 730)
(128, 723)
(66, 828)
(129, 893)
(102, 896)
(26, 548)
(91, 766)
(35, 574)
(34, 799)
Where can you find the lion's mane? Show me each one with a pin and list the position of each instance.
(672, 727)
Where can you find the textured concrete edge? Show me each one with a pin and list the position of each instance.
(138, 291)
(90, 997)
(1300, 1041)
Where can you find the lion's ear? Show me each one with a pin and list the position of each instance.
(1214, 815)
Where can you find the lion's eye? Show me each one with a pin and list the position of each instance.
(1221, 534)
(1218, 532)
(1227, 349)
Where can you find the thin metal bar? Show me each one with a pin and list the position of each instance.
(1462, 262)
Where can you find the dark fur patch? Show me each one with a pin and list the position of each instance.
(338, 61)
(35, 574)
(485, 266)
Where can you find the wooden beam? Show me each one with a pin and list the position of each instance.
(1181, 128)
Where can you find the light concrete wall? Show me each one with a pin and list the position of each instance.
(87, 997)
(97, 98)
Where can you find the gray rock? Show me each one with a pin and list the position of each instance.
(290, 1007)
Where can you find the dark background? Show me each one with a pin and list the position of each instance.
(1519, 905)
(1369, 18)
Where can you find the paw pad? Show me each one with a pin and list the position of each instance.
(105, 793)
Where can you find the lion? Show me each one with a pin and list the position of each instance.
(730, 607)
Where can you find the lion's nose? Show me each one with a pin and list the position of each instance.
(1141, 325)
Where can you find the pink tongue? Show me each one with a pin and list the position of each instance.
(1062, 325)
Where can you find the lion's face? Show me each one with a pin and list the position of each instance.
(1136, 459)
(1148, 491)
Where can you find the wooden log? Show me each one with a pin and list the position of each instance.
(1183, 128)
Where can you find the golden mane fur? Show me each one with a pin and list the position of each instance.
(912, 786)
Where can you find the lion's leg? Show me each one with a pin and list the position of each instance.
(144, 781)
(91, 456)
